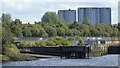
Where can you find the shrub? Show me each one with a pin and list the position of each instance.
(40, 43)
(4, 58)
(22, 44)
(70, 38)
(59, 45)
(79, 39)
(58, 42)
(34, 45)
(12, 53)
(50, 43)
(58, 38)
(11, 50)
(37, 43)
(29, 45)
(66, 42)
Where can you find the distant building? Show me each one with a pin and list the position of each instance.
(96, 15)
(119, 11)
(68, 15)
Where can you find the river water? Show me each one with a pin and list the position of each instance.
(106, 60)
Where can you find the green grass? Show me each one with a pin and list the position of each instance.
(18, 57)
(4, 58)
(96, 53)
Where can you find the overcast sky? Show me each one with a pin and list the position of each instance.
(33, 10)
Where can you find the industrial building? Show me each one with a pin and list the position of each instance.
(68, 15)
(95, 15)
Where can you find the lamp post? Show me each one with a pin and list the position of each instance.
(75, 22)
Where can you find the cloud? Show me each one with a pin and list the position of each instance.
(60, 0)
(16, 5)
(28, 9)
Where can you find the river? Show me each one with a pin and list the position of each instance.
(106, 60)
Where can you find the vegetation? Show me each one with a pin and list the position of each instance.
(51, 17)
(55, 41)
(55, 27)
(50, 26)
(86, 21)
(11, 53)
(97, 53)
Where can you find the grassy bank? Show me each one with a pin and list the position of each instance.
(97, 53)
(12, 53)
(4, 58)
(18, 57)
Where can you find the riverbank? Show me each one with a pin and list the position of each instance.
(30, 57)
(97, 53)
(106, 60)
(18, 57)
(39, 55)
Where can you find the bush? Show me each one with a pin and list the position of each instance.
(59, 45)
(40, 43)
(29, 45)
(22, 44)
(12, 53)
(79, 39)
(34, 45)
(58, 42)
(4, 58)
(50, 43)
(66, 42)
(70, 38)
(37, 43)
(58, 38)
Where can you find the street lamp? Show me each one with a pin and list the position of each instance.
(75, 22)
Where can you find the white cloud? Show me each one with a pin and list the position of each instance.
(16, 5)
(27, 6)
(60, 0)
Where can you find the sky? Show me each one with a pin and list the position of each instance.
(33, 10)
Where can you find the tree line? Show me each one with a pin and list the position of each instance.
(51, 25)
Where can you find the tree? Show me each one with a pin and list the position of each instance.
(115, 32)
(100, 29)
(6, 18)
(86, 21)
(27, 32)
(115, 25)
(79, 39)
(94, 32)
(75, 22)
(51, 17)
(35, 32)
(18, 22)
(60, 31)
(50, 30)
(77, 32)
(86, 31)
(7, 36)
(68, 33)
(42, 33)
(16, 31)
(119, 26)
